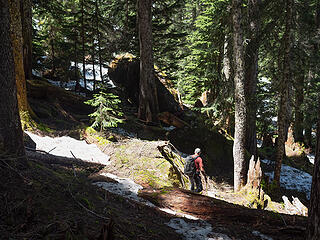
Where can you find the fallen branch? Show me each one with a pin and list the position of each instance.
(82, 206)
(36, 150)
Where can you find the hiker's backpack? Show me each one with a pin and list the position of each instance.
(190, 166)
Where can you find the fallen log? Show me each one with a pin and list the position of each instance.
(172, 120)
(63, 161)
(175, 161)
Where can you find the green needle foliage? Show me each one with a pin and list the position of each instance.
(107, 110)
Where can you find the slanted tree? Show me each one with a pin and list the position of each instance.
(148, 99)
(284, 92)
(240, 99)
(11, 141)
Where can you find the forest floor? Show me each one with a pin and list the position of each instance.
(59, 201)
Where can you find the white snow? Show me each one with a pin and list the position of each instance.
(129, 189)
(198, 229)
(63, 146)
(89, 71)
(262, 236)
(124, 187)
(311, 158)
(292, 178)
(192, 230)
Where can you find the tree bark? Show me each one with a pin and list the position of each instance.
(99, 40)
(17, 44)
(93, 65)
(284, 98)
(298, 113)
(26, 20)
(148, 100)
(83, 46)
(240, 100)
(11, 141)
(251, 75)
(313, 229)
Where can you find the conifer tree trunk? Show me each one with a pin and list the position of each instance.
(52, 36)
(148, 100)
(251, 75)
(298, 112)
(76, 62)
(284, 98)
(17, 44)
(313, 229)
(26, 19)
(99, 40)
(11, 141)
(83, 46)
(240, 100)
(93, 66)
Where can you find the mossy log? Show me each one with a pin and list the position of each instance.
(176, 161)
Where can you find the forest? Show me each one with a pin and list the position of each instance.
(102, 102)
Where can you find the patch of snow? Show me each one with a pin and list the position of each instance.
(124, 187)
(63, 146)
(292, 178)
(311, 158)
(259, 143)
(195, 230)
(36, 73)
(129, 189)
(167, 210)
(89, 71)
(123, 132)
(262, 236)
(170, 128)
(199, 230)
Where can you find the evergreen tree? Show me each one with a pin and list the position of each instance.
(285, 92)
(240, 99)
(148, 99)
(11, 141)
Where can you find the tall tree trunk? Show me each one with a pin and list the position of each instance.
(99, 40)
(298, 112)
(148, 99)
(17, 43)
(313, 229)
(52, 37)
(76, 62)
(251, 75)
(93, 66)
(284, 98)
(11, 141)
(240, 100)
(26, 19)
(308, 121)
(83, 46)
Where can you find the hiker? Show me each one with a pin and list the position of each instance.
(196, 178)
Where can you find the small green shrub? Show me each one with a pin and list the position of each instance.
(107, 110)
